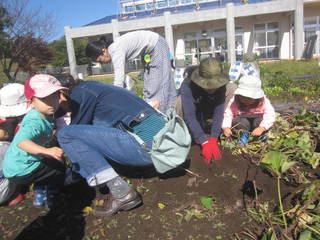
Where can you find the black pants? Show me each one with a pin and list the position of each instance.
(50, 172)
(247, 122)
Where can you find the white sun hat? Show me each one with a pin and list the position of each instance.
(250, 86)
(12, 101)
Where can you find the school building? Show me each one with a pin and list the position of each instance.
(231, 29)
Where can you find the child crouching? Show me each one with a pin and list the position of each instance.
(13, 106)
(27, 160)
(249, 111)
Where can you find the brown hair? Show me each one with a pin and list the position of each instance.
(67, 80)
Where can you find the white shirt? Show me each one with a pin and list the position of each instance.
(128, 47)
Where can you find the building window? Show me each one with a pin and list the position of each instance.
(220, 43)
(150, 5)
(266, 40)
(196, 48)
(128, 9)
(239, 43)
(173, 3)
(140, 7)
(162, 4)
(311, 28)
(186, 1)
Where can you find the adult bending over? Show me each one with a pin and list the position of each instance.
(159, 88)
(103, 119)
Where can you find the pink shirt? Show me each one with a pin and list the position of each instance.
(266, 109)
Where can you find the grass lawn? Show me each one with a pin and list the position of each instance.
(108, 78)
(292, 68)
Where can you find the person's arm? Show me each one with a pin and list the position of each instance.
(227, 119)
(218, 112)
(35, 149)
(28, 134)
(119, 61)
(189, 112)
(228, 116)
(269, 115)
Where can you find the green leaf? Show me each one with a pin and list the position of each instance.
(287, 165)
(269, 236)
(207, 202)
(314, 160)
(293, 134)
(273, 161)
(305, 235)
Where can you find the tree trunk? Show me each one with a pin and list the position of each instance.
(7, 73)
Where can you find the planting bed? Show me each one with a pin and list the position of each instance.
(216, 201)
(171, 209)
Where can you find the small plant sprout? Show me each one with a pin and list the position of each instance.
(277, 163)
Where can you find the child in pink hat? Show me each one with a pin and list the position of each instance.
(28, 159)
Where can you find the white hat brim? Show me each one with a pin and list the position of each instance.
(255, 94)
(14, 110)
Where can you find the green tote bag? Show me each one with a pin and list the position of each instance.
(171, 145)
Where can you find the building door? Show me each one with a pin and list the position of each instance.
(196, 49)
(311, 28)
(266, 40)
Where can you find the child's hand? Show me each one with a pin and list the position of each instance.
(258, 131)
(54, 152)
(227, 132)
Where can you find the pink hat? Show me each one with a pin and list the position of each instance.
(41, 85)
(2, 120)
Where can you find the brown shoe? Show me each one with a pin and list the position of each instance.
(112, 205)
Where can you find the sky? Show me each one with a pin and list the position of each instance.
(75, 13)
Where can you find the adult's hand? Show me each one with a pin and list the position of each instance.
(215, 148)
(210, 150)
(155, 104)
(206, 152)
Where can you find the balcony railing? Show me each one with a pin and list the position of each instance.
(154, 10)
(132, 9)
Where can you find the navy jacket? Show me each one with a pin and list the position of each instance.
(102, 104)
(197, 104)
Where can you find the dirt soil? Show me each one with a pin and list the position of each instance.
(171, 208)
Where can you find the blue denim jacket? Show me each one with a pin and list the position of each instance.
(107, 105)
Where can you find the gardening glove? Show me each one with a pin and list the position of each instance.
(210, 150)
(258, 131)
(206, 152)
(215, 148)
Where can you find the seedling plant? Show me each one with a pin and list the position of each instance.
(290, 154)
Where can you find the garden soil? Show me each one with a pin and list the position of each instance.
(171, 209)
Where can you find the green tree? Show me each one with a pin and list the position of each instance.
(24, 36)
(80, 47)
(60, 56)
(59, 50)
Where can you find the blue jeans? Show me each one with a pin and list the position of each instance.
(91, 147)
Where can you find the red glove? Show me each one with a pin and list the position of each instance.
(210, 150)
(215, 148)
